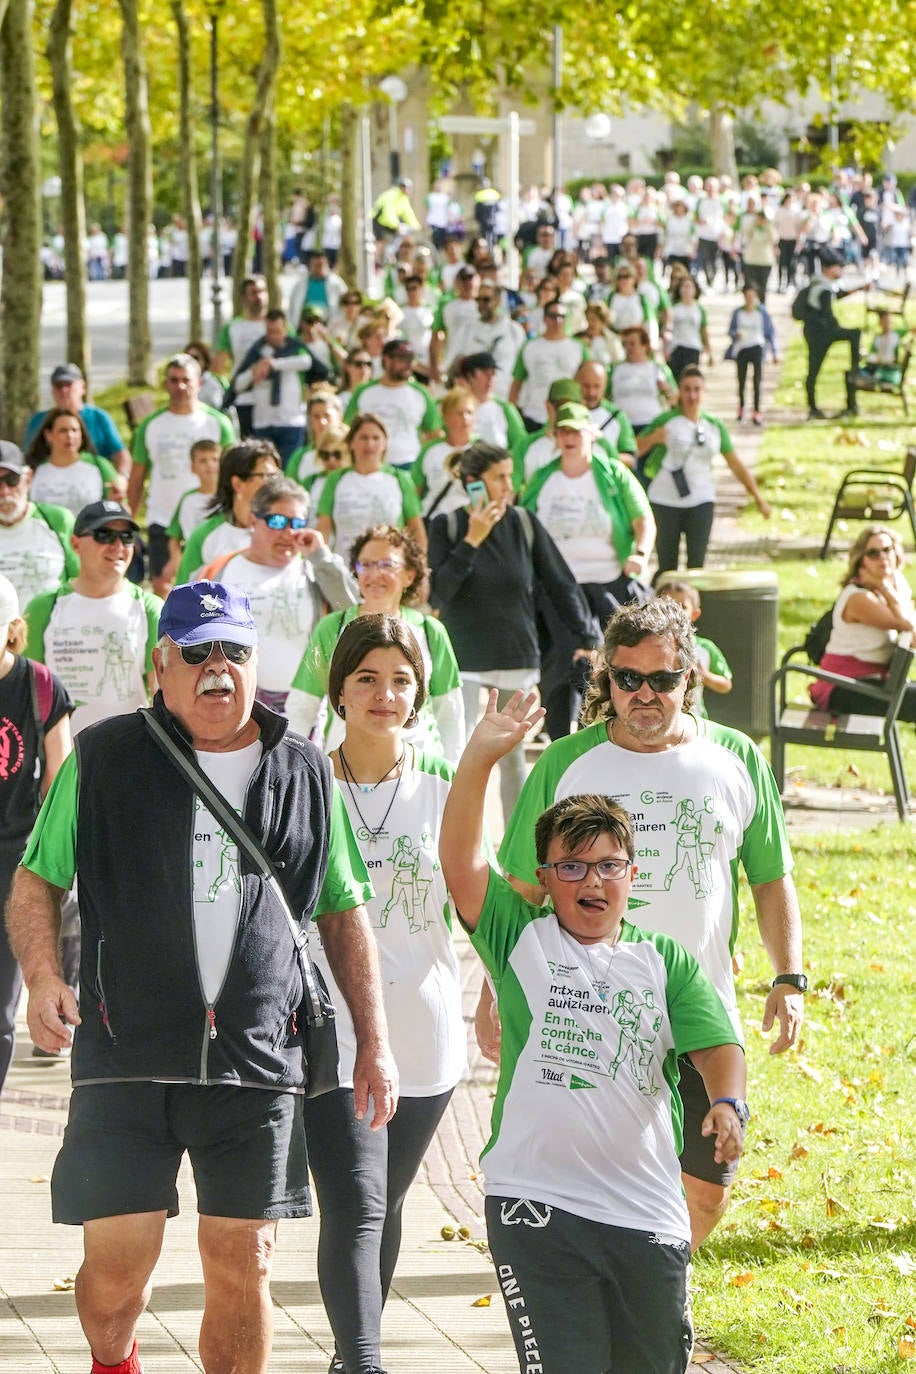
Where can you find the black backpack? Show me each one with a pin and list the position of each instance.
(818, 636)
(800, 306)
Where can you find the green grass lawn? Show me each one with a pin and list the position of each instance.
(813, 1267)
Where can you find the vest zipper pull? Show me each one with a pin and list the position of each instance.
(211, 1017)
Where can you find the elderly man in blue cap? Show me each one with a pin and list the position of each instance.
(187, 1037)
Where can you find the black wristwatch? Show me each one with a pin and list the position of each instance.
(794, 980)
(641, 553)
(741, 1109)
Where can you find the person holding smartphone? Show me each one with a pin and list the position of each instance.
(679, 448)
(489, 562)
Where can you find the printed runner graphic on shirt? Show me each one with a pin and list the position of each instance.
(627, 1043)
(697, 829)
(216, 870)
(412, 866)
(117, 664)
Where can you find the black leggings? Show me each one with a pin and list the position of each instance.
(695, 522)
(846, 700)
(753, 358)
(361, 1178)
(682, 357)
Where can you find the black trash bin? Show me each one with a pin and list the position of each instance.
(740, 614)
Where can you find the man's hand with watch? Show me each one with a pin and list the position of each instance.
(727, 1120)
(785, 1002)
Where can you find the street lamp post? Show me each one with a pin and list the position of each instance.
(396, 91)
(216, 176)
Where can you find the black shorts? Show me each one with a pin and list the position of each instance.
(158, 542)
(698, 1154)
(124, 1144)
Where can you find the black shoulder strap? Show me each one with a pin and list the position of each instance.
(234, 825)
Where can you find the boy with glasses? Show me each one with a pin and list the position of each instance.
(586, 1218)
(97, 631)
(702, 799)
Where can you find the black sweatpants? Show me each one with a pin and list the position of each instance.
(819, 342)
(694, 522)
(749, 358)
(361, 1178)
(583, 1297)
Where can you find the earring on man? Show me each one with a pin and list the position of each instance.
(340, 711)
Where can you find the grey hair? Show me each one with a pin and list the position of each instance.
(186, 361)
(164, 644)
(276, 489)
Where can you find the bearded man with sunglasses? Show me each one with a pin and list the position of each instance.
(188, 1037)
(97, 630)
(702, 799)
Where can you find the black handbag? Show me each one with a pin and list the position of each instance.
(316, 1012)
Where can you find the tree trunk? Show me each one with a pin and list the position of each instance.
(250, 160)
(70, 162)
(267, 194)
(190, 197)
(350, 247)
(20, 292)
(139, 193)
(722, 138)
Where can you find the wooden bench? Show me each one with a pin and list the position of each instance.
(862, 381)
(796, 723)
(874, 494)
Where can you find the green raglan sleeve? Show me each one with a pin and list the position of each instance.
(626, 439)
(352, 409)
(724, 437)
(445, 676)
(417, 474)
(37, 616)
(139, 452)
(108, 470)
(516, 433)
(328, 491)
(153, 607)
(346, 882)
(765, 853)
(503, 917)
(51, 850)
(223, 341)
(312, 673)
(520, 371)
(718, 663)
(431, 417)
(410, 502)
(699, 1020)
(61, 521)
(193, 556)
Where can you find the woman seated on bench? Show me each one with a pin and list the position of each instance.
(874, 606)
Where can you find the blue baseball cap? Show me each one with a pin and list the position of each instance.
(203, 611)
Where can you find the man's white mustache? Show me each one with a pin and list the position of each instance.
(215, 682)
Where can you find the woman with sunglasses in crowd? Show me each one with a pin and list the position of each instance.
(395, 796)
(66, 469)
(391, 570)
(242, 469)
(874, 607)
(290, 576)
(679, 447)
(358, 367)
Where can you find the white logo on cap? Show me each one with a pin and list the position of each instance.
(211, 603)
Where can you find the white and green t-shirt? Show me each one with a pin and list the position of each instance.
(35, 553)
(587, 1115)
(210, 540)
(99, 646)
(74, 486)
(431, 479)
(635, 389)
(163, 444)
(692, 446)
(355, 500)
(540, 363)
(411, 919)
(406, 411)
(697, 811)
(572, 513)
(192, 510)
(711, 658)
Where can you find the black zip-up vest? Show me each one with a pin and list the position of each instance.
(143, 1011)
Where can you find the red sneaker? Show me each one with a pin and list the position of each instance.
(131, 1365)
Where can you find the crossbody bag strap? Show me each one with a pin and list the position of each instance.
(235, 826)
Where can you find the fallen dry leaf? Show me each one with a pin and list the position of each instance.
(773, 1172)
(742, 1280)
(906, 1348)
(484, 1301)
(64, 1285)
(799, 1151)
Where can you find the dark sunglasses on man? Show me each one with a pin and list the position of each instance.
(106, 536)
(197, 654)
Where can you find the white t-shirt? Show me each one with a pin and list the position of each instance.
(539, 453)
(193, 509)
(571, 511)
(31, 557)
(216, 879)
(634, 388)
(687, 319)
(285, 607)
(168, 438)
(73, 487)
(97, 646)
(362, 499)
(490, 423)
(544, 361)
(404, 411)
(411, 918)
(684, 450)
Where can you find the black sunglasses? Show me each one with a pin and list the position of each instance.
(196, 654)
(10, 479)
(106, 536)
(628, 680)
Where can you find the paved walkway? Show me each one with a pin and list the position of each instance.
(432, 1320)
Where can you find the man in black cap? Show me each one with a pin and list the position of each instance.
(97, 631)
(68, 392)
(822, 330)
(497, 420)
(405, 407)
